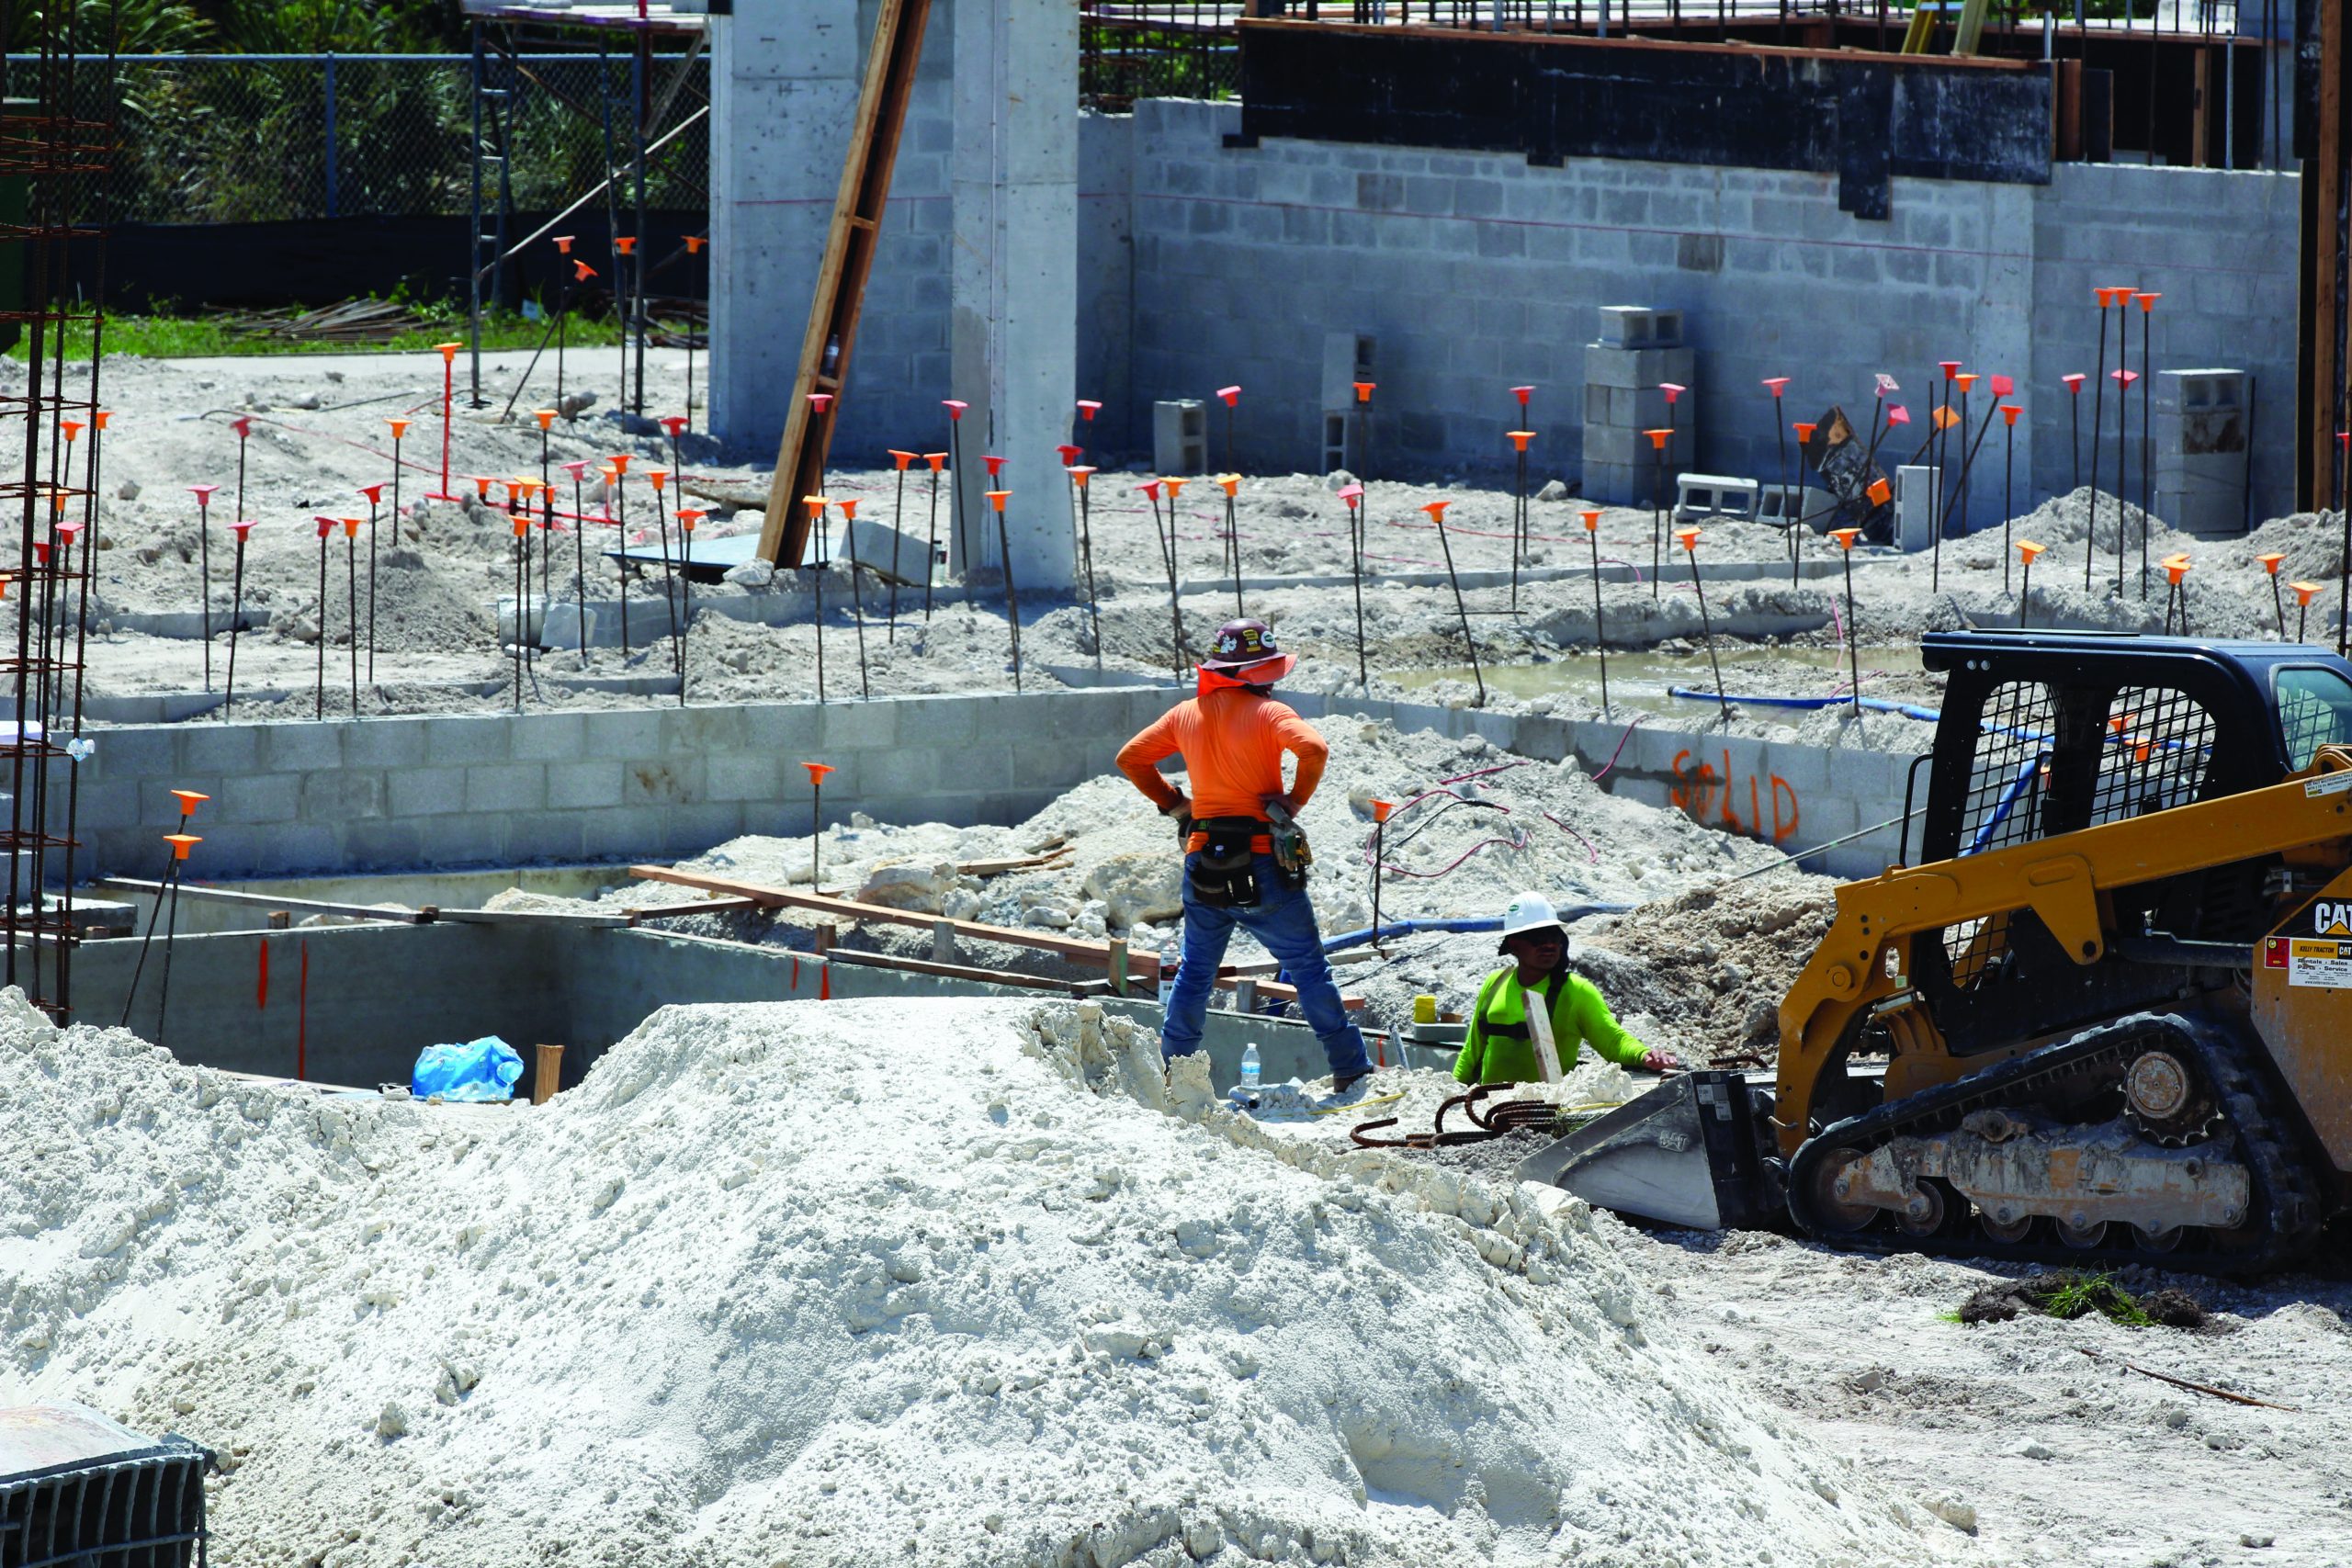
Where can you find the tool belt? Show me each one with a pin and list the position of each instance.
(1224, 869)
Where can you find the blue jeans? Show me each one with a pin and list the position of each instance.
(1283, 922)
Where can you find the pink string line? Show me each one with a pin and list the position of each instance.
(1452, 864)
(1621, 748)
(1591, 855)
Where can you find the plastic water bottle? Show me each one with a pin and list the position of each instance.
(1250, 1066)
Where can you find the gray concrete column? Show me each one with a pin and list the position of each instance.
(1013, 315)
(783, 91)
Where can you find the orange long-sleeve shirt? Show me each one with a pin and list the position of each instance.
(1232, 741)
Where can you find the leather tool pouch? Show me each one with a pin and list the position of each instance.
(1224, 872)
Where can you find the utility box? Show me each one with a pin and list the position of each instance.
(2196, 427)
(78, 1487)
(1640, 351)
(1180, 437)
(1347, 359)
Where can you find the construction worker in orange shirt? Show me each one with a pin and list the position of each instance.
(1245, 862)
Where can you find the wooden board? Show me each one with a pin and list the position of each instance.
(1083, 949)
(841, 275)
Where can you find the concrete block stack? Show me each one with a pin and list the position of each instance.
(1640, 349)
(2197, 431)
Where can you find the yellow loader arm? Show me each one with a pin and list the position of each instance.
(1866, 957)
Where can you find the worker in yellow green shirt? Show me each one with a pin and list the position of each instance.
(1509, 1041)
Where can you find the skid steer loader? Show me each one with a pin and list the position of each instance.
(2106, 1016)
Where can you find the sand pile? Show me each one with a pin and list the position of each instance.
(857, 1282)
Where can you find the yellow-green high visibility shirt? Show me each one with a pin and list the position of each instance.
(1499, 1048)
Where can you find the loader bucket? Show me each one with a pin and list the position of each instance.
(1686, 1154)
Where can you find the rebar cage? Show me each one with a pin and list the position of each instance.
(54, 154)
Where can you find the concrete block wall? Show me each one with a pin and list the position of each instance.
(510, 789)
(1476, 271)
(2221, 247)
(1787, 793)
(514, 789)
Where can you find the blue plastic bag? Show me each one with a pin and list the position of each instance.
(480, 1069)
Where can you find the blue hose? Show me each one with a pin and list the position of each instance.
(1870, 705)
(1458, 923)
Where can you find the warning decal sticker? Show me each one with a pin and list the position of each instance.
(2312, 961)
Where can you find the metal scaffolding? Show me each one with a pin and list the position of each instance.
(628, 110)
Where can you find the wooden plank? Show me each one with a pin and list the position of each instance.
(699, 906)
(951, 971)
(841, 274)
(265, 900)
(1019, 862)
(1094, 954)
(1080, 948)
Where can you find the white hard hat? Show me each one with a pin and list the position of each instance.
(1529, 912)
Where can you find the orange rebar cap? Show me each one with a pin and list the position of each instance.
(2028, 549)
(1804, 429)
(2270, 562)
(1381, 808)
(690, 515)
(189, 800)
(1081, 473)
(815, 505)
(1364, 390)
(1658, 438)
(849, 508)
(2147, 302)
(2009, 412)
(817, 770)
(351, 528)
(901, 459)
(1229, 483)
(546, 418)
(1520, 438)
(449, 351)
(1880, 492)
(1687, 538)
(996, 497)
(937, 460)
(1845, 536)
(181, 843)
(2305, 591)
(660, 477)
(619, 460)
(1968, 379)
(1592, 522)
(1175, 485)
(1436, 509)
(399, 427)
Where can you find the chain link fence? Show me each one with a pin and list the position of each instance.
(247, 139)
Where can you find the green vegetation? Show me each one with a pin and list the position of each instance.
(247, 27)
(2068, 1293)
(164, 334)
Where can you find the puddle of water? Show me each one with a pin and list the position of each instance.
(1642, 678)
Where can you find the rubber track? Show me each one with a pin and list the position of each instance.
(2284, 1202)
